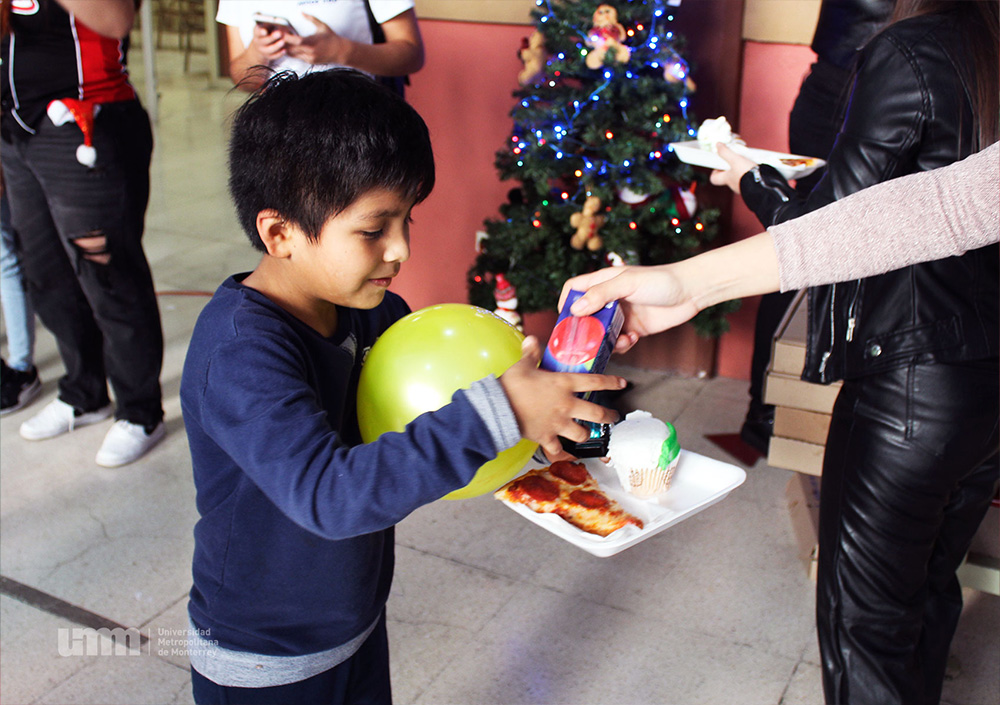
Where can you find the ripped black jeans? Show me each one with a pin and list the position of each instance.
(80, 233)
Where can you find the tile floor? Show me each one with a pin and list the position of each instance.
(486, 607)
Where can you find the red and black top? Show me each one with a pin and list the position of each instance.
(50, 55)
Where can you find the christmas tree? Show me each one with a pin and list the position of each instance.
(605, 91)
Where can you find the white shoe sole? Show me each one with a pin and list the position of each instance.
(108, 460)
(91, 417)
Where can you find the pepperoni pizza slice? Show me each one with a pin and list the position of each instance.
(567, 490)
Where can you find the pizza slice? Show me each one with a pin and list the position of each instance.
(567, 490)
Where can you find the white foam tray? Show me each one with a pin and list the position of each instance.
(698, 483)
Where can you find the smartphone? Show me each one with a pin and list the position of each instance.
(273, 22)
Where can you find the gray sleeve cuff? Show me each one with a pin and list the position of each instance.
(490, 402)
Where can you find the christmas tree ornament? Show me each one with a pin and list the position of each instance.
(627, 195)
(422, 360)
(685, 201)
(82, 113)
(615, 260)
(587, 222)
(605, 36)
(506, 298)
(533, 57)
(676, 70)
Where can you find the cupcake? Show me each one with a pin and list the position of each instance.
(644, 452)
(716, 130)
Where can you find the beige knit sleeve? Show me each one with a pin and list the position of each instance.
(917, 218)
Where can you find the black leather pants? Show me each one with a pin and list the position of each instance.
(910, 469)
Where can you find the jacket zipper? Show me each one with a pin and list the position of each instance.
(833, 332)
(756, 177)
(852, 317)
(852, 321)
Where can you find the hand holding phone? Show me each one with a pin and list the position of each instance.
(274, 22)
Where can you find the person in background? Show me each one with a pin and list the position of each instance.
(842, 29)
(19, 382)
(378, 37)
(76, 153)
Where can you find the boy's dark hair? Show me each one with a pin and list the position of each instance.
(308, 147)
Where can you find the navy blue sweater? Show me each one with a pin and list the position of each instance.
(294, 547)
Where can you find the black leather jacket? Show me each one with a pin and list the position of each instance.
(844, 26)
(908, 112)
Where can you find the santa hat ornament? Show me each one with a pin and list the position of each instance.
(506, 298)
(82, 113)
(685, 201)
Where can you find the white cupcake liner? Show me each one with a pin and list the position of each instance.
(646, 482)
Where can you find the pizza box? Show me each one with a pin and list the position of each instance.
(800, 456)
(801, 425)
(698, 483)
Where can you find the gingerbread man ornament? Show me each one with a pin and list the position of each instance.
(533, 55)
(587, 222)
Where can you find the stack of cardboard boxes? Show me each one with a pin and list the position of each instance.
(801, 422)
(802, 409)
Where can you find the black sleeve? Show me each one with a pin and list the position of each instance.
(882, 130)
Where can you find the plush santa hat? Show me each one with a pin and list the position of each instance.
(82, 113)
(505, 293)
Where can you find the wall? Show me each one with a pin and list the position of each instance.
(772, 74)
(464, 95)
(776, 57)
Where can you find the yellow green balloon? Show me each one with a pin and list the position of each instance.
(422, 360)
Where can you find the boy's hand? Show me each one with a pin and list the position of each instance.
(545, 403)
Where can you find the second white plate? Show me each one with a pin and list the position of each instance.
(692, 153)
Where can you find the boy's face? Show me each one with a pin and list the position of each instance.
(358, 253)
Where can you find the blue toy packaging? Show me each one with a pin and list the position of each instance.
(584, 344)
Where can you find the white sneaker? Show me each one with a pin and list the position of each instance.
(127, 442)
(58, 418)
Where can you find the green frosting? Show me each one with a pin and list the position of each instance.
(670, 448)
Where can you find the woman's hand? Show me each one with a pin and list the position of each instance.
(738, 166)
(322, 47)
(264, 49)
(270, 46)
(653, 299)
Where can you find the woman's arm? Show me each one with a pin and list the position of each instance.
(917, 218)
(109, 18)
(656, 298)
(402, 52)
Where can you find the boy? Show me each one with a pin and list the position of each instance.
(294, 549)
